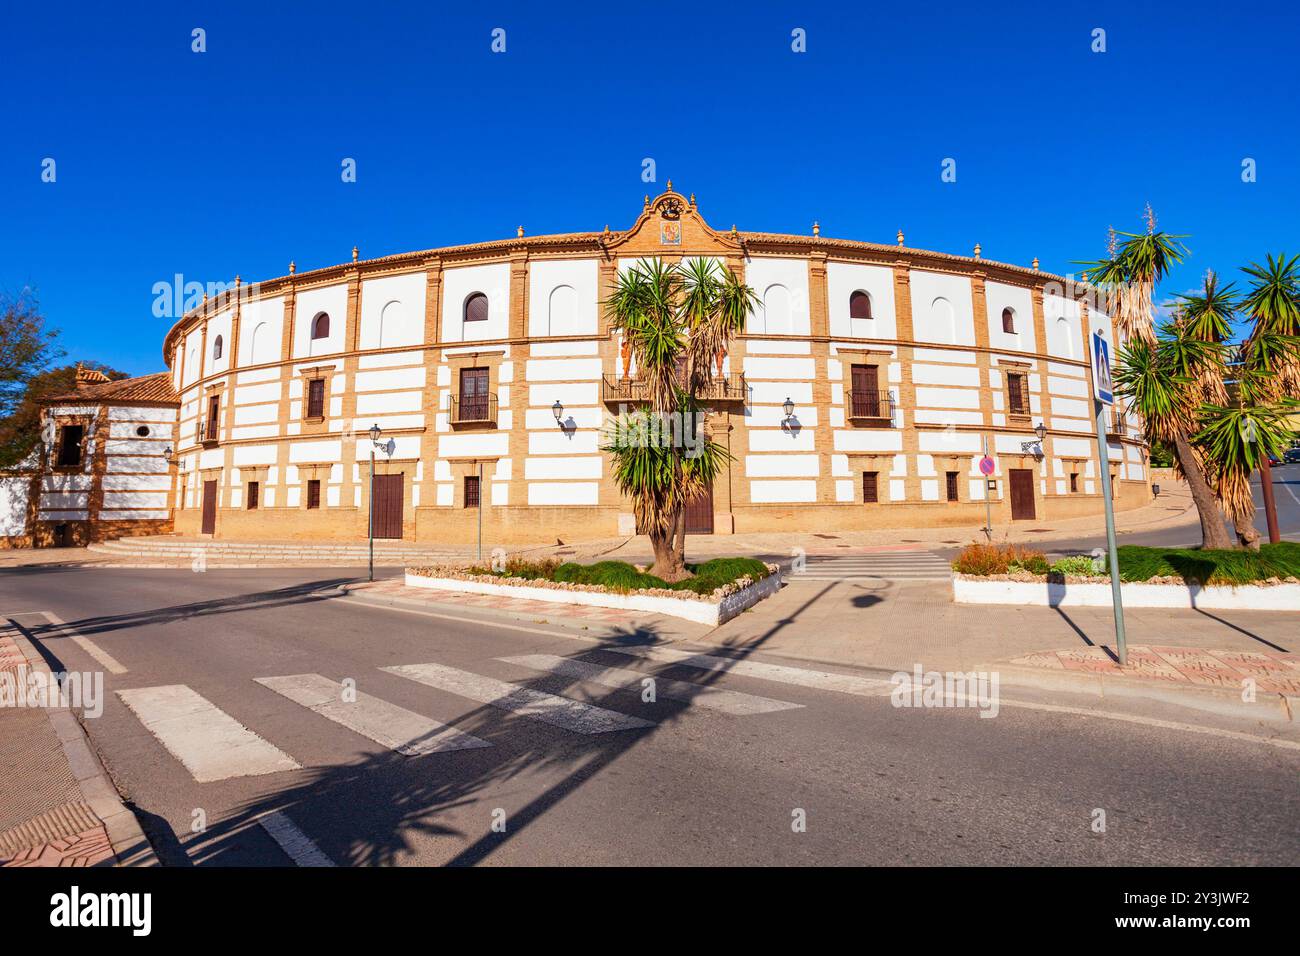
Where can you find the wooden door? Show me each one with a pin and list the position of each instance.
(1022, 493)
(865, 391)
(699, 513)
(388, 506)
(473, 394)
(209, 525)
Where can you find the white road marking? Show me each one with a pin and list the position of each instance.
(395, 727)
(297, 845)
(1153, 722)
(209, 742)
(101, 656)
(802, 677)
(710, 698)
(558, 711)
(468, 620)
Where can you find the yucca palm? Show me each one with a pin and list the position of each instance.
(671, 315)
(1273, 303)
(1129, 275)
(1159, 380)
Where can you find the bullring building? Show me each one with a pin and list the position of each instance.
(869, 383)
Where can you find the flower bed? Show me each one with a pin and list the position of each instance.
(1268, 579)
(720, 590)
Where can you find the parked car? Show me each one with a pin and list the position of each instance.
(1291, 456)
(1273, 460)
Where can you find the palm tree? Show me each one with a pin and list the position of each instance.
(1157, 375)
(1159, 379)
(671, 315)
(1273, 302)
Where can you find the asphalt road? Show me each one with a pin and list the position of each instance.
(693, 784)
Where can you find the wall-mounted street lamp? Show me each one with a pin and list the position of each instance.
(788, 407)
(558, 411)
(1035, 448)
(375, 432)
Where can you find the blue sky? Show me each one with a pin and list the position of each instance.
(227, 162)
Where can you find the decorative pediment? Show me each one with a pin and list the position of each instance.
(670, 224)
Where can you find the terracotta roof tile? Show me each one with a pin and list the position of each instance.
(155, 388)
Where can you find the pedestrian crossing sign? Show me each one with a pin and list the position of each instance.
(1101, 381)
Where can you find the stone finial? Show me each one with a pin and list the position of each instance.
(733, 230)
(606, 230)
(236, 281)
(670, 185)
(355, 252)
(647, 202)
(692, 199)
(900, 237)
(1035, 263)
(817, 229)
(977, 250)
(292, 267)
(520, 232)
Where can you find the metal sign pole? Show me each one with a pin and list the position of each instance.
(480, 512)
(372, 510)
(1101, 401)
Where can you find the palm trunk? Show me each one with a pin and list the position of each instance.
(679, 537)
(1247, 535)
(1214, 534)
(668, 564)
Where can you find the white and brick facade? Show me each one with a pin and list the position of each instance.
(460, 355)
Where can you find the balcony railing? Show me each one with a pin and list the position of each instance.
(1118, 426)
(205, 432)
(871, 408)
(633, 391)
(474, 409)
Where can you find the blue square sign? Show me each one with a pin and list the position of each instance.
(1101, 383)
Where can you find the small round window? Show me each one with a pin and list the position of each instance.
(143, 431)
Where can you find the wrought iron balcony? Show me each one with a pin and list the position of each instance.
(870, 409)
(205, 432)
(474, 410)
(633, 391)
(1118, 426)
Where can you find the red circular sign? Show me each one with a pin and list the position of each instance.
(987, 466)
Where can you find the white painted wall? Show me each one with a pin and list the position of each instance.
(782, 287)
(219, 325)
(941, 308)
(458, 284)
(331, 299)
(260, 330)
(392, 311)
(998, 297)
(562, 297)
(1061, 316)
(842, 280)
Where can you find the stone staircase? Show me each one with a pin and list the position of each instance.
(167, 551)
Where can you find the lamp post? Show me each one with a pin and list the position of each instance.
(558, 411)
(375, 432)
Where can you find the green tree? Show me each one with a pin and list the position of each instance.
(20, 431)
(677, 319)
(26, 347)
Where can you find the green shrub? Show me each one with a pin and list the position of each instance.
(1075, 564)
(986, 559)
(1197, 566)
(621, 576)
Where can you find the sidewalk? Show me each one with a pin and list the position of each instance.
(1195, 658)
(58, 806)
(1173, 508)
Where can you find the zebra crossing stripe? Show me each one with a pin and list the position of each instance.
(560, 712)
(801, 677)
(395, 727)
(710, 698)
(210, 743)
(297, 845)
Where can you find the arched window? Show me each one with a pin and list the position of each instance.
(216, 348)
(945, 320)
(476, 308)
(1064, 337)
(561, 310)
(776, 310)
(390, 324)
(859, 305)
(1009, 321)
(320, 326)
(259, 344)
